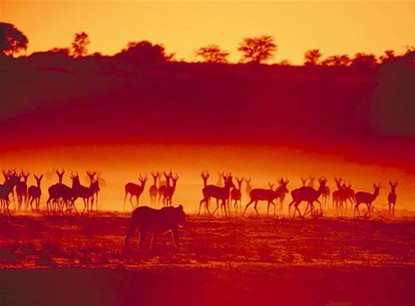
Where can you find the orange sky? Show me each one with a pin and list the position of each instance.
(334, 27)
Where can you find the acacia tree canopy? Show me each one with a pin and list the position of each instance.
(312, 57)
(213, 54)
(80, 44)
(257, 49)
(12, 40)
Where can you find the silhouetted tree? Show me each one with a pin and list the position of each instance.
(257, 49)
(312, 57)
(337, 60)
(144, 53)
(212, 54)
(364, 61)
(12, 40)
(80, 44)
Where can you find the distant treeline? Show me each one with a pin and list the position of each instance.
(142, 94)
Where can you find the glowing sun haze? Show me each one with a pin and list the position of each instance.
(333, 27)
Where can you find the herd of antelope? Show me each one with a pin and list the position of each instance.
(161, 190)
(61, 198)
(343, 198)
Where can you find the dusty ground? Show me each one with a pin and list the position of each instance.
(51, 260)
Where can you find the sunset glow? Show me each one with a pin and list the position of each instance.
(207, 153)
(334, 27)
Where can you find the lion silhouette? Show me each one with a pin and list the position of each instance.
(155, 222)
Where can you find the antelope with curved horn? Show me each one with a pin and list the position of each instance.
(343, 194)
(219, 193)
(308, 195)
(153, 188)
(135, 190)
(349, 194)
(11, 179)
(59, 195)
(168, 194)
(367, 198)
(35, 193)
(236, 194)
(268, 195)
(94, 186)
(164, 184)
(21, 189)
(205, 176)
(392, 197)
(83, 192)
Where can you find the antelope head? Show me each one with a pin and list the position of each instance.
(91, 175)
(143, 179)
(393, 185)
(322, 181)
(377, 188)
(228, 180)
(205, 175)
(175, 177)
(283, 185)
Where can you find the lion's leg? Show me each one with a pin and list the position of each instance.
(130, 233)
(175, 238)
(143, 235)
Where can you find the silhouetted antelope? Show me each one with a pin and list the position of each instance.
(60, 195)
(11, 179)
(343, 194)
(280, 200)
(392, 197)
(94, 186)
(205, 177)
(367, 198)
(219, 193)
(153, 188)
(135, 190)
(163, 185)
(304, 181)
(83, 192)
(349, 194)
(21, 189)
(35, 193)
(169, 192)
(308, 195)
(268, 195)
(236, 195)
